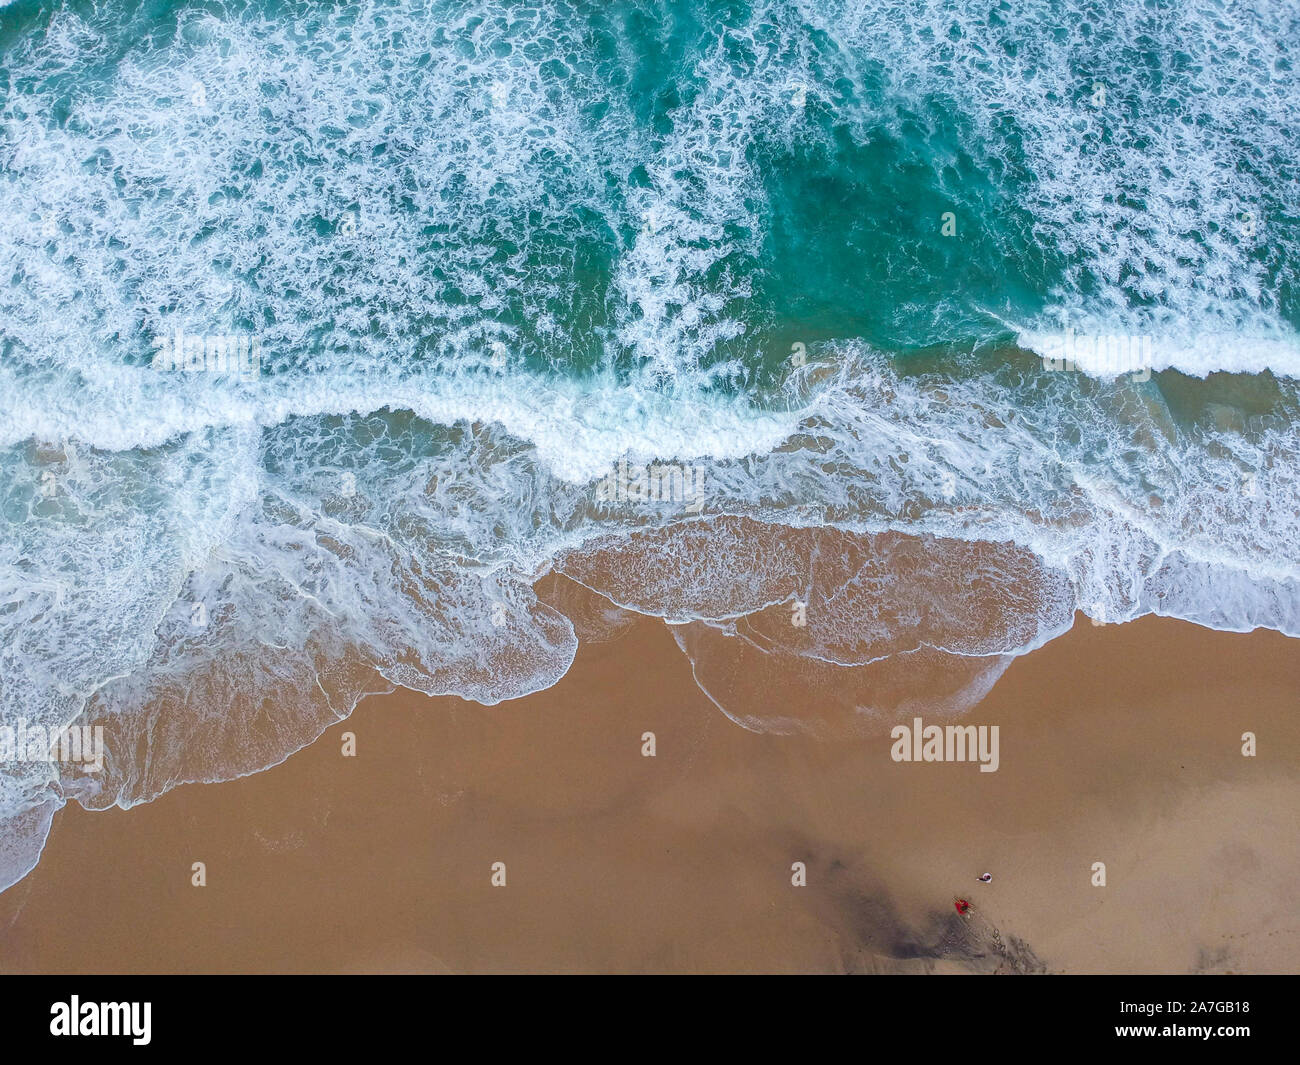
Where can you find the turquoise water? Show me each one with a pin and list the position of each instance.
(485, 253)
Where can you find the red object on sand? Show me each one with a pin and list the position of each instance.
(962, 906)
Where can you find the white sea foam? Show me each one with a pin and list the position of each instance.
(1198, 354)
(1156, 146)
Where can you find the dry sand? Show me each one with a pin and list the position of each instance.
(1119, 744)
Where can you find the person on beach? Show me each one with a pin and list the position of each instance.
(986, 878)
(963, 907)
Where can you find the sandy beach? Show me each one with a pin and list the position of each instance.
(650, 488)
(1119, 744)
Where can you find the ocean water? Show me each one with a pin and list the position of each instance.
(493, 258)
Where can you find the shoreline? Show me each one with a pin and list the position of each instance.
(1118, 744)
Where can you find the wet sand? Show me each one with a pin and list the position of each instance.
(1118, 744)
